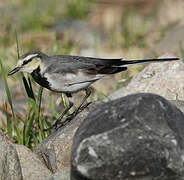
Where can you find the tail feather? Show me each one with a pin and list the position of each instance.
(144, 61)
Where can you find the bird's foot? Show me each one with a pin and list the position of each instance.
(85, 106)
(62, 123)
(70, 117)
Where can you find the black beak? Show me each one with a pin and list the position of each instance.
(14, 71)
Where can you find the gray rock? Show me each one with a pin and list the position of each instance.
(54, 151)
(10, 168)
(32, 167)
(60, 175)
(165, 79)
(140, 136)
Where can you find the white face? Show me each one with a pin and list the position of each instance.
(27, 58)
(27, 64)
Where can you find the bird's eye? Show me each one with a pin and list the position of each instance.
(25, 62)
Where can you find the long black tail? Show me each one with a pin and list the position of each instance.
(132, 62)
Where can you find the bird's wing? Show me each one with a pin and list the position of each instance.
(100, 62)
(90, 66)
(90, 60)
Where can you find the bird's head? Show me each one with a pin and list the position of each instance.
(29, 62)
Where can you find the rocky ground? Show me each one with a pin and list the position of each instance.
(142, 132)
(138, 135)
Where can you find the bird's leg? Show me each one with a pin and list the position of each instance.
(82, 105)
(67, 109)
(58, 124)
(69, 96)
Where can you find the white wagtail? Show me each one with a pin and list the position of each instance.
(70, 74)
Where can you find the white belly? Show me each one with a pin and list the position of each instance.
(70, 83)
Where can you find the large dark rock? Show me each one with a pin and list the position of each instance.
(137, 137)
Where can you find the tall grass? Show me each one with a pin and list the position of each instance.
(32, 132)
(12, 125)
(34, 123)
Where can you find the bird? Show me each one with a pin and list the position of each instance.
(69, 74)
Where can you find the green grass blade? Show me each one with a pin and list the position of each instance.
(64, 102)
(52, 108)
(41, 125)
(34, 106)
(25, 130)
(8, 123)
(7, 88)
(35, 139)
(28, 129)
(19, 137)
(47, 124)
(32, 115)
(17, 43)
